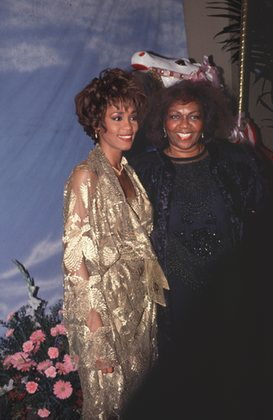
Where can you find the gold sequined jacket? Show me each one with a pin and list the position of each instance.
(109, 267)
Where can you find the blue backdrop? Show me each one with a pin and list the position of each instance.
(49, 50)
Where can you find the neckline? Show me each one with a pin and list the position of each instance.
(196, 158)
(109, 170)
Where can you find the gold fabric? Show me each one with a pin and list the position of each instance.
(110, 267)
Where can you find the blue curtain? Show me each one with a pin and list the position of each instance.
(49, 50)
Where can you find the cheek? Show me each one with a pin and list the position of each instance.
(170, 125)
(135, 126)
(199, 126)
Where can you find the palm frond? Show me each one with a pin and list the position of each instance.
(259, 38)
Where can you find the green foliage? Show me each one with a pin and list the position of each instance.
(259, 40)
(25, 359)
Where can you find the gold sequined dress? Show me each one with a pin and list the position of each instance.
(110, 267)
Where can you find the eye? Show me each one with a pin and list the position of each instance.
(173, 116)
(116, 118)
(133, 117)
(195, 117)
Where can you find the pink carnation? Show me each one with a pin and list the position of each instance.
(51, 372)
(58, 329)
(7, 362)
(53, 352)
(31, 387)
(61, 368)
(61, 329)
(37, 335)
(43, 412)
(67, 366)
(44, 365)
(9, 332)
(62, 389)
(53, 331)
(70, 365)
(21, 361)
(28, 346)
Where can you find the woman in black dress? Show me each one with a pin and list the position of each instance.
(211, 224)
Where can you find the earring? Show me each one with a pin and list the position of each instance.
(164, 131)
(202, 136)
(96, 135)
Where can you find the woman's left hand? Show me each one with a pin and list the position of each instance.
(104, 366)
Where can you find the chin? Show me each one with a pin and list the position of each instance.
(126, 147)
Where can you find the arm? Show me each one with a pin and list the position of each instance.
(84, 305)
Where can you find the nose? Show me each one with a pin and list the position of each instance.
(184, 121)
(127, 123)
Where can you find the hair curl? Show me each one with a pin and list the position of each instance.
(216, 106)
(112, 87)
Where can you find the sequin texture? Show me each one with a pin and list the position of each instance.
(110, 268)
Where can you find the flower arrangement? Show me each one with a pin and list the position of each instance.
(38, 378)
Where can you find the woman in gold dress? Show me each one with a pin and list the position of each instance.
(112, 278)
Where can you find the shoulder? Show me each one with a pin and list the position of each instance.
(224, 150)
(82, 174)
(146, 161)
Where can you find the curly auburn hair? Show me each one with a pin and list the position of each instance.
(112, 87)
(216, 106)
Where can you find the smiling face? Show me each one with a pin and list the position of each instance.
(184, 125)
(120, 127)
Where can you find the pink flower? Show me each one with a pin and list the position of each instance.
(51, 372)
(70, 365)
(10, 315)
(37, 335)
(53, 331)
(28, 346)
(58, 329)
(61, 329)
(67, 366)
(21, 361)
(31, 387)
(9, 332)
(62, 389)
(44, 365)
(43, 412)
(7, 362)
(53, 352)
(61, 368)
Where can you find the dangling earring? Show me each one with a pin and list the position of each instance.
(202, 136)
(164, 131)
(96, 135)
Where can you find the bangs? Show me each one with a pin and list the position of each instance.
(123, 102)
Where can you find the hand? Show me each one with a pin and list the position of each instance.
(94, 321)
(104, 366)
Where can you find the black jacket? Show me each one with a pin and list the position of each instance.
(240, 175)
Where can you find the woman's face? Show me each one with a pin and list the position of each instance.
(184, 125)
(121, 125)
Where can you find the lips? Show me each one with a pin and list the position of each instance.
(184, 136)
(127, 137)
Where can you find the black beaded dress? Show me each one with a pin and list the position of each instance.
(198, 241)
(211, 218)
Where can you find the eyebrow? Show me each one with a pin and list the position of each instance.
(192, 112)
(119, 111)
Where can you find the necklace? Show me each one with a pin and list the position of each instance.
(118, 171)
